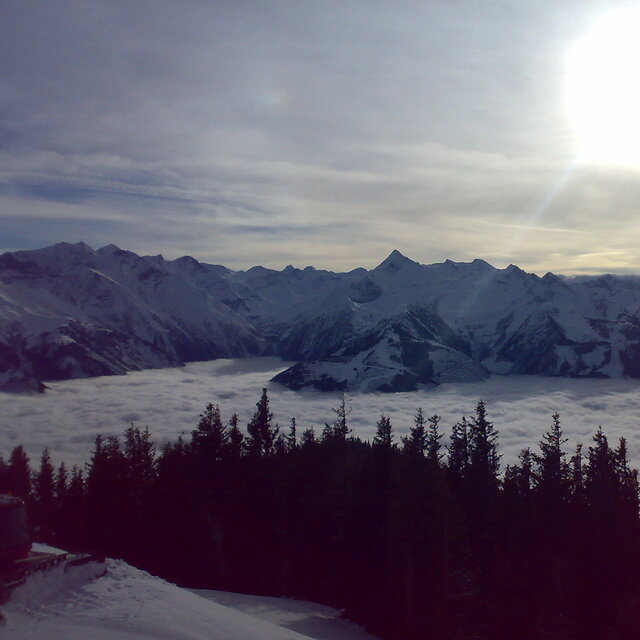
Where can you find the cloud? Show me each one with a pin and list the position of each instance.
(69, 415)
(247, 133)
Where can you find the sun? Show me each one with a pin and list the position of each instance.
(603, 89)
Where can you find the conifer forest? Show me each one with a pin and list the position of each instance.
(424, 537)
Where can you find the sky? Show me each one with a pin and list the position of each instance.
(324, 132)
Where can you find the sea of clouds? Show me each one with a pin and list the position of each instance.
(70, 414)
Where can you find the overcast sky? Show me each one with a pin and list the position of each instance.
(307, 132)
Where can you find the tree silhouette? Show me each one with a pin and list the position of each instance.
(44, 496)
(459, 450)
(484, 461)
(340, 427)
(261, 435)
(19, 473)
(433, 438)
(384, 433)
(210, 439)
(416, 442)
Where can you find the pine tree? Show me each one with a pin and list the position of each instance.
(107, 494)
(552, 474)
(433, 438)
(484, 461)
(210, 439)
(340, 427)
(621, 459)
(281, 446)
(172, 467)
(308, 438)
(416, 442)
(61, 487)
(174, 470)
(235, 444)
(292, 443)
(627, 477)
(576, 475)
(522, 474)
(139, 452)
(77, 486)
(261, 435)
(459, 450)
(4, 470)
(610, 525)
(19, 473)
(44, 496)
(139, 475)
(481, 495)
(384, 433)
(328, 433)
(61, 484)
(71, 515)
(600, 475)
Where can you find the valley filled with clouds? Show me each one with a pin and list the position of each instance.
(70, 414)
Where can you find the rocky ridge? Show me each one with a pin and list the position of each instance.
(70, 311)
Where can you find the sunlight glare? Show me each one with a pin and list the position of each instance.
(603, 90)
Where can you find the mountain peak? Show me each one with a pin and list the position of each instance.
(109, 248)
(186, 261)
(61, 253)
(476, 264)
(68, 248)
(479, 262)
(394, 261)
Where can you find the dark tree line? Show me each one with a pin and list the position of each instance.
(414, 540)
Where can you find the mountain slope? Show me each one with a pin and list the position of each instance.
(70, 311)
(129, 604)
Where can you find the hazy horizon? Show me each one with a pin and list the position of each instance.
(328, 267)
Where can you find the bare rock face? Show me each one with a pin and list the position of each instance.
(68, 311)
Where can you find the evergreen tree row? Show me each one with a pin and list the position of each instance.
(413, 539)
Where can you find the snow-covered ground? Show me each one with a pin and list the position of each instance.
(129, 604)
(71, 413)
(311, 619)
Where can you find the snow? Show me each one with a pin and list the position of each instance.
(40, 547)
(188, 310)
(128, 604)
(313, 620)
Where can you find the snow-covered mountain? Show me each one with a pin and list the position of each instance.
(70, 311)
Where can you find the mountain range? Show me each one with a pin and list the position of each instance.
(69, 311)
